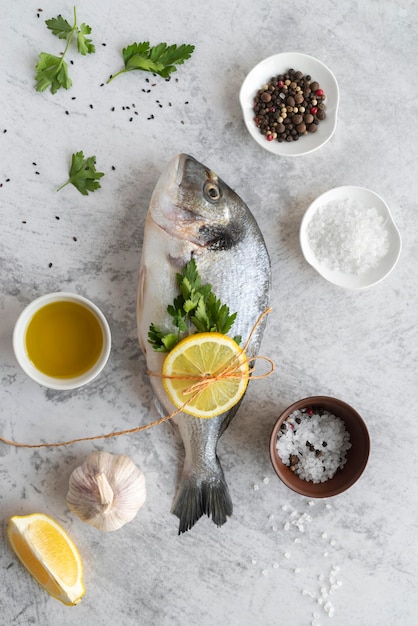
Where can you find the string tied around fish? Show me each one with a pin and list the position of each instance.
(198, 384)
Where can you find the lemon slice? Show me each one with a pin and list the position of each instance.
(49, 555)
(208, 371)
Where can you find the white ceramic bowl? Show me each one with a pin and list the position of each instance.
(279, 64)
(365, 198)
(19, 342)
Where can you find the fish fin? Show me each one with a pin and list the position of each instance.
(198, 497)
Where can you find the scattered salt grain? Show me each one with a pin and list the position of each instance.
(276, 565)
(266, 480)
(287, 555)
(328, 608)
(313, 443)
(256, 487)
(347, 236)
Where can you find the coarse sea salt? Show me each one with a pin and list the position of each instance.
(347, 236)
(314, 444)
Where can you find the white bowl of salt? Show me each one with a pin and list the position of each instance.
(349, 236)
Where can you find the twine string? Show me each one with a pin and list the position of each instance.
(200, 383)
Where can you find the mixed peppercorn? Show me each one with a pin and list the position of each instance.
(289, 106)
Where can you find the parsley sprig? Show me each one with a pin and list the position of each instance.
(196, 305)
(161, 59)
(83, 174)
(51, 70)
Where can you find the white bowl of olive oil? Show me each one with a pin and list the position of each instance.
(62, 340)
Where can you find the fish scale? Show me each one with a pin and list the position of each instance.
(194, 214)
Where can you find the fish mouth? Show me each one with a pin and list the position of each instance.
(181, 170)
(173, 173)
(179, 162)
(168, 208)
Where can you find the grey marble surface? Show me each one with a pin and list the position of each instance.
(280, 558)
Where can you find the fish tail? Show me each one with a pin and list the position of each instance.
(197, 497)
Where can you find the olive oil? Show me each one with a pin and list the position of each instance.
(64, 339)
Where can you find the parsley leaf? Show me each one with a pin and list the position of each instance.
(84, 45)
(52, 71)
(59, 27)
(83, 174)
(161, 59)
(196, 305)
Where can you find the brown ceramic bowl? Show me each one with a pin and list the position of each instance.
(357, 455)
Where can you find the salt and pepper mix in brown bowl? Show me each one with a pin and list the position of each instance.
(319, 446)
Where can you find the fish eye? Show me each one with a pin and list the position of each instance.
(212, 191)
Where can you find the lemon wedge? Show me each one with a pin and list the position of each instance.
(206, 372)
(49, 554)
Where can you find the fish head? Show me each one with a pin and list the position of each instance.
(191, 202)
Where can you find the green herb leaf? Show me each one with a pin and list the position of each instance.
(84, 45)
(196, 305)
(160, 341)
(83, 174)
(160, 59)
(59, 27)
(52, 71)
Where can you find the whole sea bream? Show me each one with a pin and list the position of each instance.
(194, 214)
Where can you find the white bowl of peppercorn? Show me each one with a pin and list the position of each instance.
(289, 103)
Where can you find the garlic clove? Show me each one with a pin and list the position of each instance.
(106, 491)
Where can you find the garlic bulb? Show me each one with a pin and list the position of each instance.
(106, 491)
